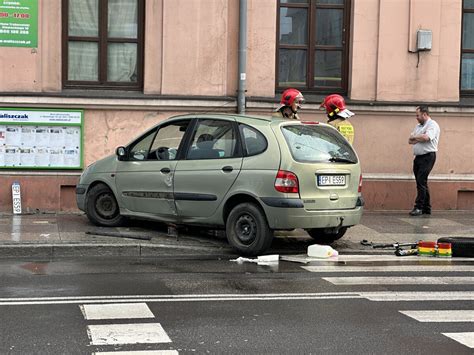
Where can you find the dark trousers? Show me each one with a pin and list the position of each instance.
(422, 166)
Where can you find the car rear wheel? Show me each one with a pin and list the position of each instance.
(102, 208)
(247, 230)
(325, 236)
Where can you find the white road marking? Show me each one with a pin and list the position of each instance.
(400, 280)
(140, 333)
(175, 298)
(466, 339)
(140, 352)
(389, 268)
(305, 259)
(441, 316)
(414, 296)
(372, 296)
(116, 311)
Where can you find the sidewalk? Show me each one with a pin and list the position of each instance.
(71, 235)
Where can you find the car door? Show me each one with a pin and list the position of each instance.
(212, 163)
(144, 180)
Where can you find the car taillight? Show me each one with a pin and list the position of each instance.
(360, 184)
(286, 182)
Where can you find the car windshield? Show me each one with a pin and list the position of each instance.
(317, 143)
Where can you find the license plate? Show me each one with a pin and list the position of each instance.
(331, 180)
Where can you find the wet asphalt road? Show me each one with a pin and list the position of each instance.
(198, 301)
(208, 304)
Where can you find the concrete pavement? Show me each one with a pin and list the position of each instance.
(72, 235)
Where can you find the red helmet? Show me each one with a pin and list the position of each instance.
(289, 96)
(336, 106)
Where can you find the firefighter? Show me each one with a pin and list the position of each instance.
(338, 115)
(291, 101)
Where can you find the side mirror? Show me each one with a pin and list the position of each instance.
(121, 152)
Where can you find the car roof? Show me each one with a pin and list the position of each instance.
(248, 119)
(235, 116)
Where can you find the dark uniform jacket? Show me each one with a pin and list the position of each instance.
(279, 114)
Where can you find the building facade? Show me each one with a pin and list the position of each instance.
(129, 64)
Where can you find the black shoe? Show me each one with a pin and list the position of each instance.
(426, 212)
(416, 212)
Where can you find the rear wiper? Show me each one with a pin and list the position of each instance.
(341, 160)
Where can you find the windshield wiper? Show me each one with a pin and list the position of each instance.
(341, 160)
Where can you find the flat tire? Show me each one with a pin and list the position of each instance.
(247, 229)
(102, 208)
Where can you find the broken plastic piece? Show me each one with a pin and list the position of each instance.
(241, 260)
(406, 252)
(321, 251)
(268, 259)
(260, 260)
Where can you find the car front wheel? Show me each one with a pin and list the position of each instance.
(325, 236)
(102, 208)
(247, 230)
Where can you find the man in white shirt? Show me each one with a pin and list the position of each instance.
(424, 138)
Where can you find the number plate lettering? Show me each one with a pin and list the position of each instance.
(331, 180)
(16, 198)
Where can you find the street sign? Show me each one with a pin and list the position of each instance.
(16, 197)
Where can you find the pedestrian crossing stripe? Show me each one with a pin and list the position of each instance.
(441, 315)
(120, 334)
(401, 280)
(416, 296)
(305, 259)
(116, 311)
(389, 268)
(445, 316)
(139, 352)
(466, 339)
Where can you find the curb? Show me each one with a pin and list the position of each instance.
(68, 250)
(100, 249)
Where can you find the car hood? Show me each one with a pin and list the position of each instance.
(105, 165)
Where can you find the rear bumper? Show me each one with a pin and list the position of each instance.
(289, 218)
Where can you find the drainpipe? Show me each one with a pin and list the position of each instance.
(376, 96)
(242, 56)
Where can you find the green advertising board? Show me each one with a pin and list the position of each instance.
(41, 138)
(19, 23)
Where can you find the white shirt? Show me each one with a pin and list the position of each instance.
(430, 128)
